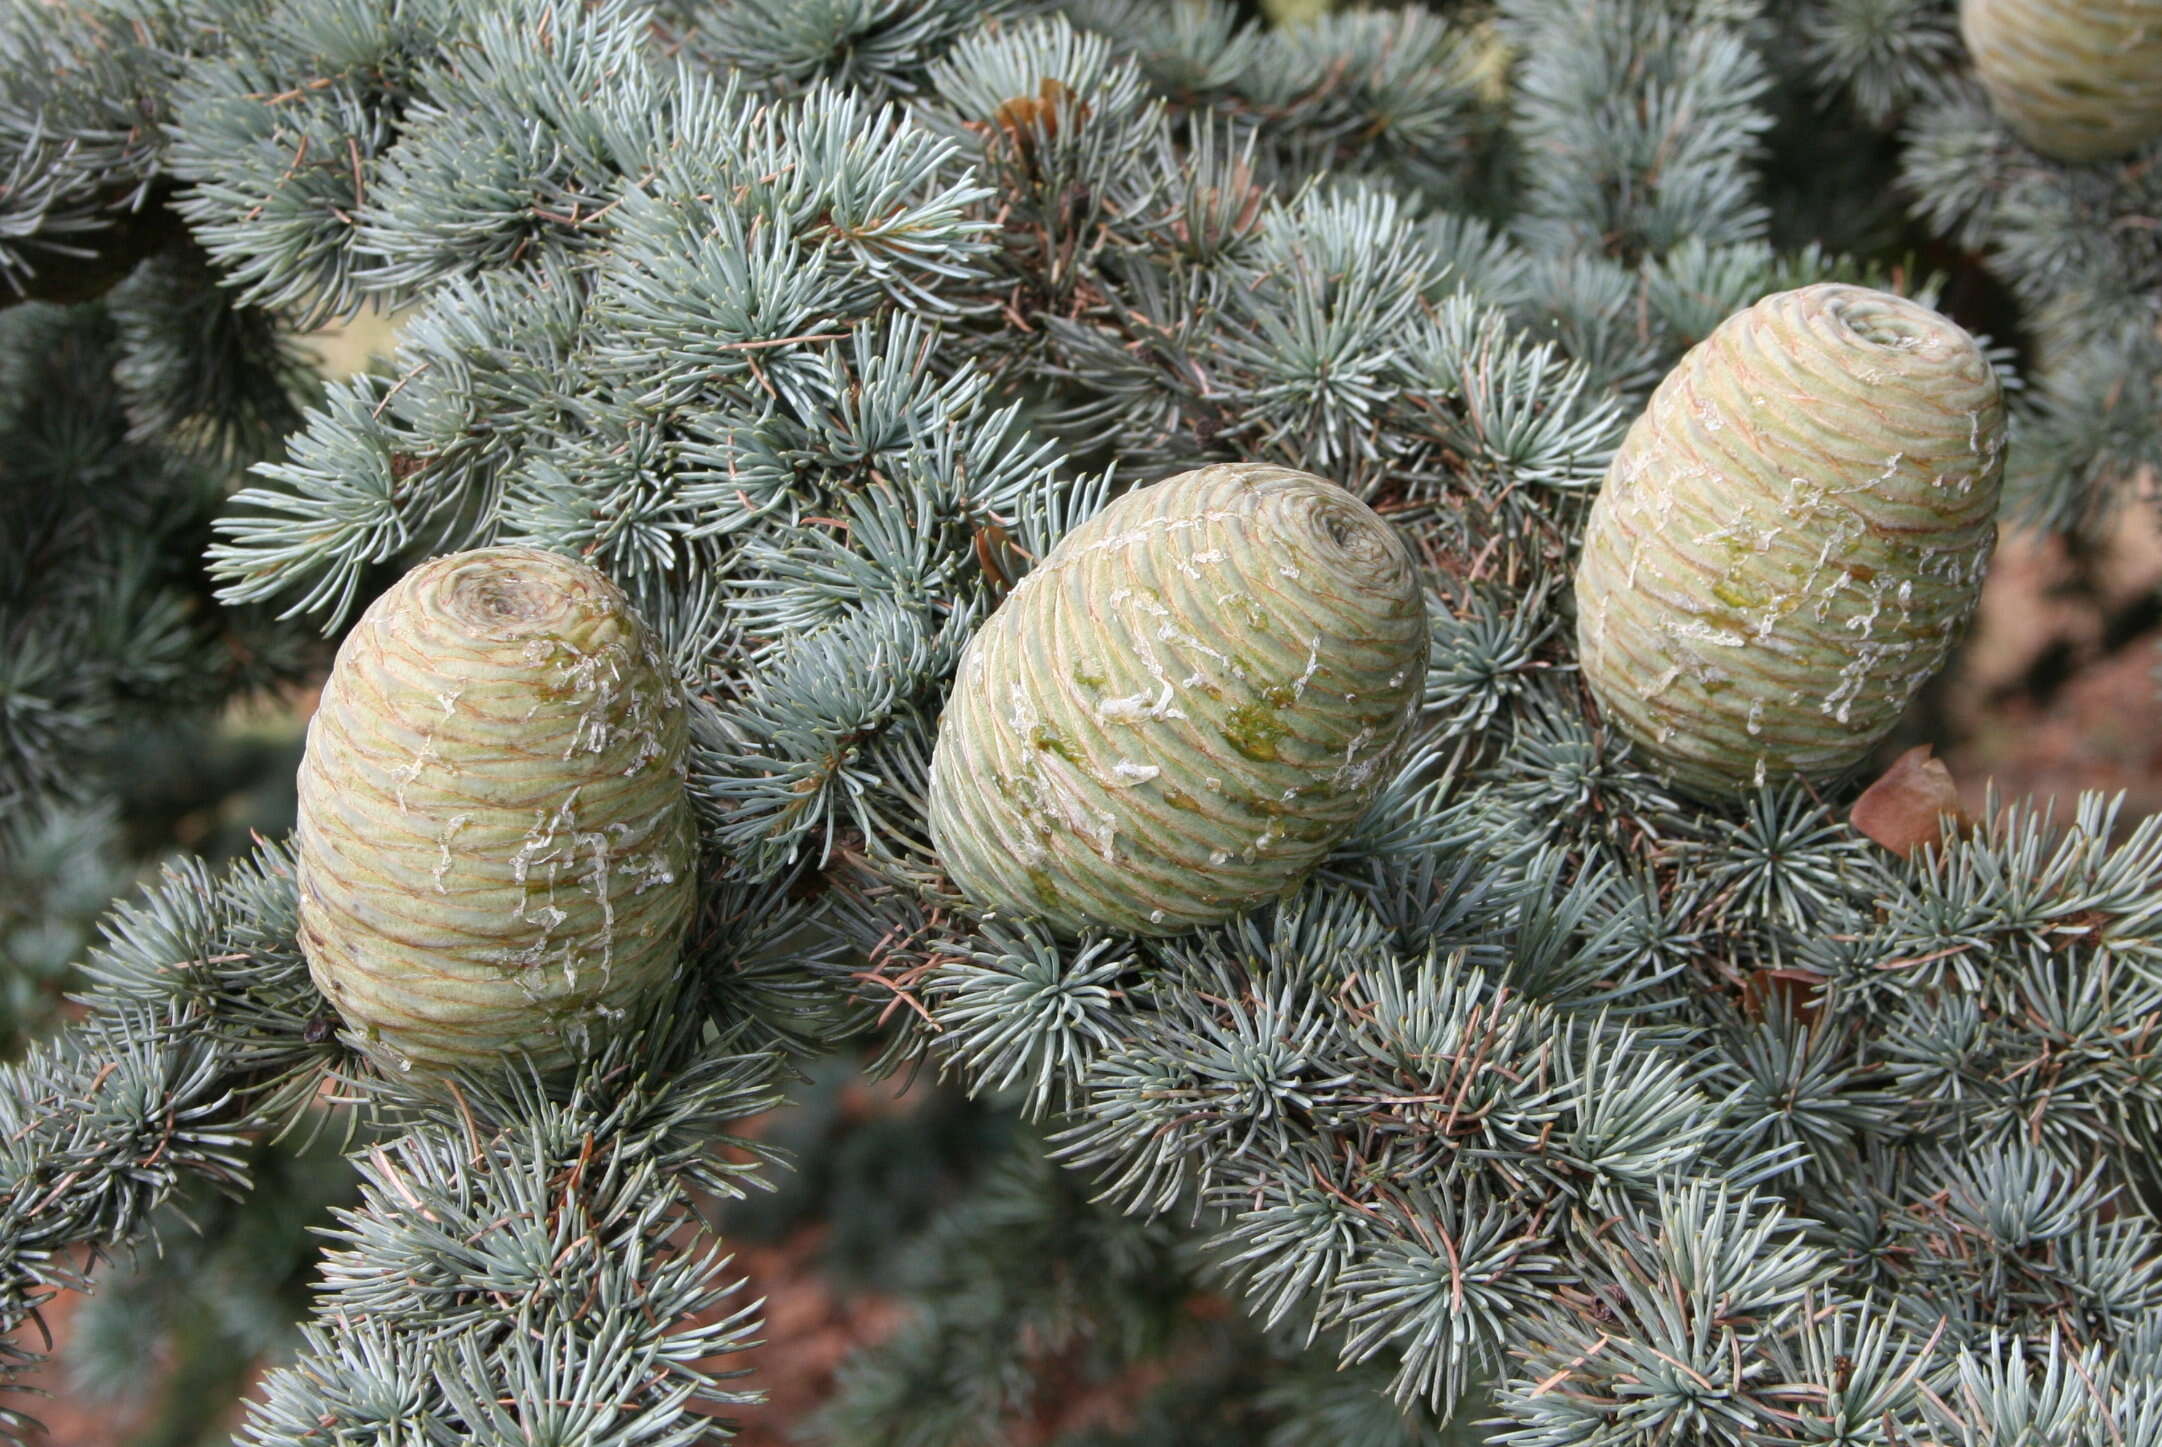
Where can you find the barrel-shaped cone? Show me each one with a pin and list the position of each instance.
(1791, 537)
(1183, 707)
(495, 845)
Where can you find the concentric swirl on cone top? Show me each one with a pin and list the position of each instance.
(1791, 537)
(1185, 705)
(495, 844)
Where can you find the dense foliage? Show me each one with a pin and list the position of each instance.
(1569, 1110)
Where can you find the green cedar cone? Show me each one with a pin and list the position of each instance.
(495, 844)
(2079, 80)
(1186, 704)
(1791, 537)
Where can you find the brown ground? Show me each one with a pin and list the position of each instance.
(70, 1421)
(809, 1332)
(2097, 730)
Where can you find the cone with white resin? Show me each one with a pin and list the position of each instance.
(2079, 80)
(1183, 707)
(495, 846)
(1791, 538)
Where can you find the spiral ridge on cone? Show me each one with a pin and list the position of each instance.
(2078, 80)
(495, 847)
(1791, 537)
(1183, 707)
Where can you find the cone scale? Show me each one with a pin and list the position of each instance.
(1183, 707)
(495, 846)
(1791, 538)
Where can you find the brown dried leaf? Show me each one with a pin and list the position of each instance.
(1056, 94)
(1905, 809)
(1023, 118)
(993, 545)
(1020, 117)
(1799, 992)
